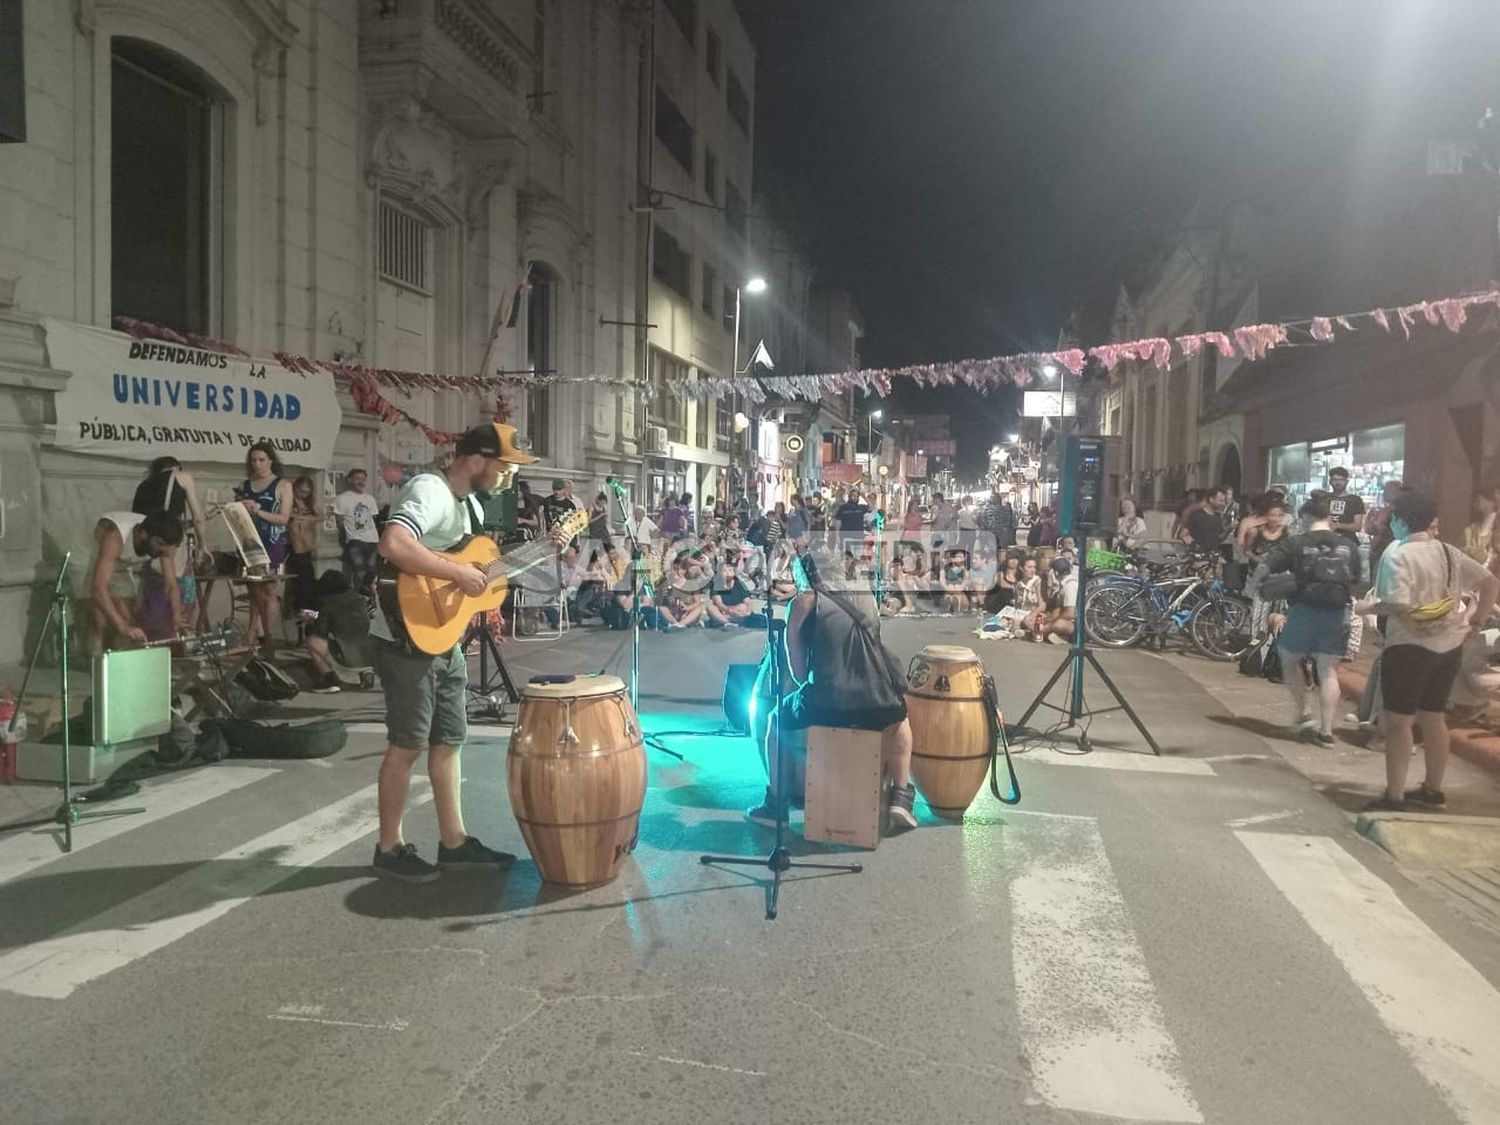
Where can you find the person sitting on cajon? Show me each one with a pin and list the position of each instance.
(845, 677)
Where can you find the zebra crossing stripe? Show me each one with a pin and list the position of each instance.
(1094, 1032)
(1442, 1012)
(23, 853)
(54, 968)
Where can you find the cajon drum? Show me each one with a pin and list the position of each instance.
(843, 787)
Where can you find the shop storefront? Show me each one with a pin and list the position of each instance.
(1372, 457)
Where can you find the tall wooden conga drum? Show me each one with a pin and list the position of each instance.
(952, 740)
(577, 778)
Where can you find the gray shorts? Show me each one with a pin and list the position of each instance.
(426, 700)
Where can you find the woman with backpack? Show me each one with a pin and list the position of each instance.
(1317, 571)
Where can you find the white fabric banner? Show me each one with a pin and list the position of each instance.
(144, 399)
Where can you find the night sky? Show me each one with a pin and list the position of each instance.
(975, 169)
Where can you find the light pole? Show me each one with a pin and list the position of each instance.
(753, 285)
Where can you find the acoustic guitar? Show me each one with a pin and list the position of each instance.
(433, 613)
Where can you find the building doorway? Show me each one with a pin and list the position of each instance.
(1230, 473)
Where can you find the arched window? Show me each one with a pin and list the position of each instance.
(166, 192)
(541, 352)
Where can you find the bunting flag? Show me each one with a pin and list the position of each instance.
(516, 299)
(1249, 342)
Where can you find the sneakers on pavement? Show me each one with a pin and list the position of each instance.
(764, 813)
(471, 853)
(402, 862)
(1383, 803)
(1432, 798)
(899, 807)
(327, 685)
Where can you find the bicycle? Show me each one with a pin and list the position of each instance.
(1187, 598)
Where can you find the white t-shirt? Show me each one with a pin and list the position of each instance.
(1414, 572)
(427, 508)
(642, 531)
(1067, 594)
(356, 512)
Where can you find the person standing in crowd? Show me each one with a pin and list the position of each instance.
(797, 525)
(355, 509)
(558, 504)
(528, 512)
(1346, 509)
(599, 519)
(968, 523)
(640, 527)
(268, 498)
(127, 548)
(776, 522)
(669, 519)
(851, 516)
(1130, 530)
(1479, 536)
(1378, 523)
(169, 488)
(998, 518)
(302, 538)
(1326, 566)
(944, 521)
(1203, 522)
(1420, 589)
(1046, 528)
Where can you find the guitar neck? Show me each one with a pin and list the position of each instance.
(522, 559)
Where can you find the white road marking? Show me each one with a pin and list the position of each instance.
(55, 967)
(22, 853)
(313, 1013)
(1144, 762)
(476, 730)
(1263, 818)
(700, 1065)
(1445, 1015)
(1091, 1024)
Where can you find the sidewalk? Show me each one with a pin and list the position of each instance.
(1472, 744)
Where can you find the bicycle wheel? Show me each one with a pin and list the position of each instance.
(1115, 616)
(1220, 627)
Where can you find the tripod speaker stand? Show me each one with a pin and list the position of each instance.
(1079, 658)
(780, 861)
(67, 813)
(1082, 493)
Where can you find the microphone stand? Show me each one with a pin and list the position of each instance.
(637, 563)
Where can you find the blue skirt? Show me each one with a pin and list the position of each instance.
(1315, 630)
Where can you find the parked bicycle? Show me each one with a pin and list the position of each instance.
(1123, 609)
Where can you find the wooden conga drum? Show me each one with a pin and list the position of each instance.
(952, 740)
(577, 778)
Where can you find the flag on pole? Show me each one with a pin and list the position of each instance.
(515, 301)
(762, 357)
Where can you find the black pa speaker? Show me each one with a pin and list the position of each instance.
(739, 689)
(1085, 496)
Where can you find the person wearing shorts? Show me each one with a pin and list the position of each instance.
(425, 695)
(1420, 588)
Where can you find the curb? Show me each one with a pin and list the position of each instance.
(1479, 747)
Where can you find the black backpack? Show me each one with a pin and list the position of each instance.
(1324, 573)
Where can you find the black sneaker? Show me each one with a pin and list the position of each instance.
(764, 813)
(402, 862)
(471, 853)
(1432, 798)
(899, 807)
(327, 685)
(1383, 803)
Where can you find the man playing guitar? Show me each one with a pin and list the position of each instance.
(425, 703)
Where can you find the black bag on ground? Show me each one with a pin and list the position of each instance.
(266, 682)
(249, 739)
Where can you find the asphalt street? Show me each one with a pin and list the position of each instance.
(1197, 937)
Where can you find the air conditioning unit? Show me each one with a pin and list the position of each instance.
(656, 440)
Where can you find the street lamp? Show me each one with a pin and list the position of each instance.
(753, 285)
